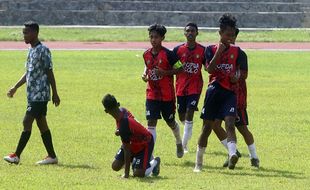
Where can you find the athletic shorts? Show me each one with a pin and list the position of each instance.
(155, 109)
(219, 103)
(140, 160)
(242, 118)
(37, 109)
(190, 101)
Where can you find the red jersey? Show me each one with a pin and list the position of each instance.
(132, 132)
(190, 80)
(241, 89)
(225, 66)
(159, 88)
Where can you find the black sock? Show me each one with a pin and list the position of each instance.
(48, 143)
(24, 137)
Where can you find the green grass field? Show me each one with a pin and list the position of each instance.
(278, 106)
(141, 34)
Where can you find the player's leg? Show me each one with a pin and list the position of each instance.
(118, 162)
(25, 135)
(152, 115)
(181, 107)
(242, 126)
(45, 134)
(191, 107)
(168, 112)
(231, 141)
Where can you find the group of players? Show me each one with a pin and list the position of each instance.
(225, 99)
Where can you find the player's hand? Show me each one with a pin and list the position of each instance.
(56, 99)
(11, 92)
(221, 48)
(160, 72)
(144, 77)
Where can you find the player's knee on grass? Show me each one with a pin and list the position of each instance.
(139, 173)
(117, 165)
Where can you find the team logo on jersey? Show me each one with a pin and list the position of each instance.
(197, 56)
(184, 55)
(160, 61)
(148, 62)
(232, 56)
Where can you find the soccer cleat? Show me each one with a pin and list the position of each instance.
(255, 162)
(180, 150)
(156, 169)
(185, 148)
(12, 158)
(227, 160)
(233, 161)
(48, 160)
(198, 168)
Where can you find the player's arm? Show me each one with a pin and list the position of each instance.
(173, 60)
(144, 75)
(211, 67)
(125, 135)
(52, 81)
(127, 159)
(243, 59)
(19, 83)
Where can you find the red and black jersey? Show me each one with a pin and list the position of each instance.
(159, 88)
(225, 67)
(241, 89)
(190, 80)
(132, 132)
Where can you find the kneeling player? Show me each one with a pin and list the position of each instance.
(137, 142)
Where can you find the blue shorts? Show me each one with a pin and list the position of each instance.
(37, 109)
(155, 108)
(219, 103)
(242, 118)
(140, 160)
(190, 101)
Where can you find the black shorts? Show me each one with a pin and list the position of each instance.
(242, 118)
(140, 160)
(155, 108)
(37, 109)
(190, 101)
(219, 103)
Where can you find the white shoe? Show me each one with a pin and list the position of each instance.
(48, 160)
(12, 158)
(185, 149)
(197, 168)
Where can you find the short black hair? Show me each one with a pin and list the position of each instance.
(109, 102)
(237, 32)
(227, 20)
(33, 25)
(160, 29)
(192, 24)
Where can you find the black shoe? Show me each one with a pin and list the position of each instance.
(180, 150)
(255, 162)
(238, 154)
(156, 169)
(225, 165)
(233, 161)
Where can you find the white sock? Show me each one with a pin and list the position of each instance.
(199, 155)
(224, 142)
(232, 148)
(152, 129)
(252, 151)
(149, 170)
(176, 133)
(188, 131)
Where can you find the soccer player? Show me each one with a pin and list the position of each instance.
(38, 78)
(242, 119)
(220, 100)
(189, 83)
(137, 142)
(160, 94)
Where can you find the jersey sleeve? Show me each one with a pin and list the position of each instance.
(124, 130)
(242, 60)
(47, 59)
(172, 57)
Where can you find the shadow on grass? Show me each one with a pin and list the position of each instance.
(245, 171)
(152, 179)
(77, 166)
